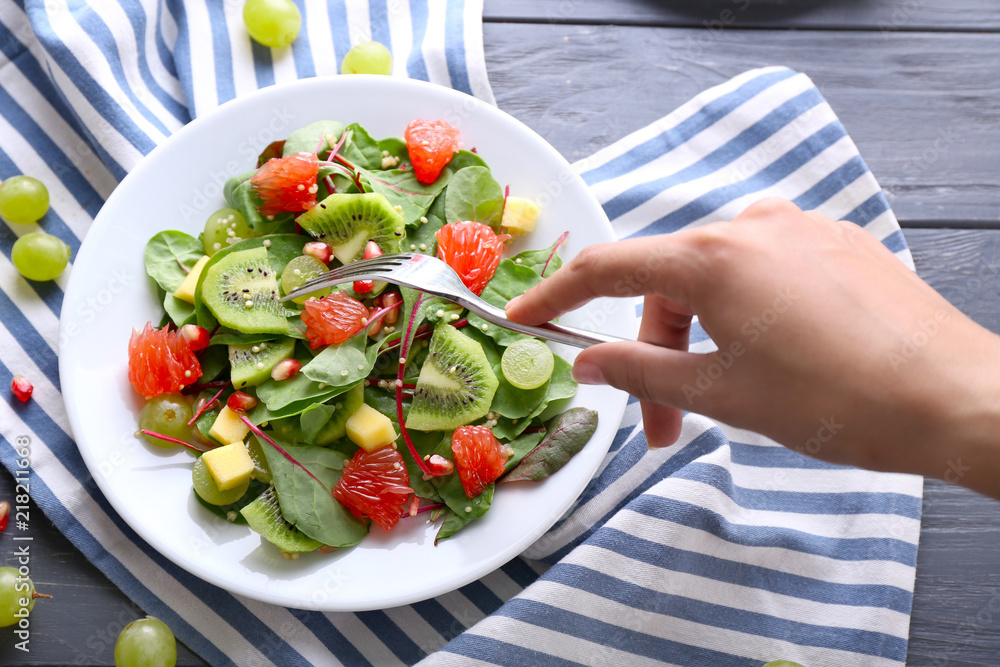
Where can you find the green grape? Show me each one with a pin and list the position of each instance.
(527, 363)
(146, 642)
(17, 596)
(205, 486)
(40, 256)
(273, 23)
(367, 58)
(261, 470)
(224, 228)
(299, 271)
(23, 199)
(167, 414)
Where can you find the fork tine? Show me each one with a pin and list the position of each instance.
(362, 269)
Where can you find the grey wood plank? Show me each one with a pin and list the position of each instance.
(80, 624)
(924, 109)
(880, 15)
(956, 606)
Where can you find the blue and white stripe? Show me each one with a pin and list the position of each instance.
(728, 550)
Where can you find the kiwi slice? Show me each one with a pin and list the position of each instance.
(251, 364)
(264, 516)
(241, 290)
(347, 222)
(456, 383)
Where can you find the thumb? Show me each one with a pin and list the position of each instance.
(648, 372)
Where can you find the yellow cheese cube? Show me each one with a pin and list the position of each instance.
(370, 429)
(186, 290)
(230, 465)
(519, 215)
(228, 427)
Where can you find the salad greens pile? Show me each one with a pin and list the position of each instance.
(298, 440)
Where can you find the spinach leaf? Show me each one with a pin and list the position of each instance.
(566, 434)
(213, 360)
(510, 280)
(452, 524)
(522, 445)
(515, 403)
(464, 158)
(306, 499)
(278, 395)
(271, 151)
(489, 347)
(474, 194)
(343, 364)
(312, 421)
(508, 429)
(305, 139)
(261, 413)
(360, 149)
(536, 259)
(402, 189)
(396, 147)
(180, 312)
(170, 255)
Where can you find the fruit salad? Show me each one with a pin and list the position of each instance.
(312, 419)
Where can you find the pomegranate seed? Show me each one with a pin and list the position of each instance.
(4, 514)
(196, 336)
(319, 250)
(375, 326)
(439, 465)
(389, 300)
(285, 369)
(22, 387)
(240, 402)
(365, 286)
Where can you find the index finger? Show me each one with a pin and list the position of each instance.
(652, 265)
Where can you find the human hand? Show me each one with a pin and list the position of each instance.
(827, 343)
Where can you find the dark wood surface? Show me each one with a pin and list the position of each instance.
(584, 73)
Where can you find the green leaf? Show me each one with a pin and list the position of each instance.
(566, 434)
(402, 189)
(312, 420)
(536, 259)
(396, 147)
(180, 312)
(474, 194)
(451, 525)
(343, 364)
(214, 360)
(169, 256)
(360, 149)
(305, 139)
(306, 499)
(510, 280)
(522, 446)
(464, 158)
(277, 395)
(515, 403)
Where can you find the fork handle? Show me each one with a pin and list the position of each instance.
(548, 331)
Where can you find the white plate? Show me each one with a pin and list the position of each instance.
(176, 187)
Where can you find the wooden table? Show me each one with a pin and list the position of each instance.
(916, 83)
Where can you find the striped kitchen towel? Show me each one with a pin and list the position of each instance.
(726, 550)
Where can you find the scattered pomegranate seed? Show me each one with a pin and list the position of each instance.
(439, 465)
(196, 336)
(285, 369)
(4, 515)
(22, 388)
(389, 300)
(375, 326)
(241, 402)
(318, 250)
(365, 286)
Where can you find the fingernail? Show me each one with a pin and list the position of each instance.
(585, 372)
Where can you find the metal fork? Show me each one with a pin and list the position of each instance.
(431, 275)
